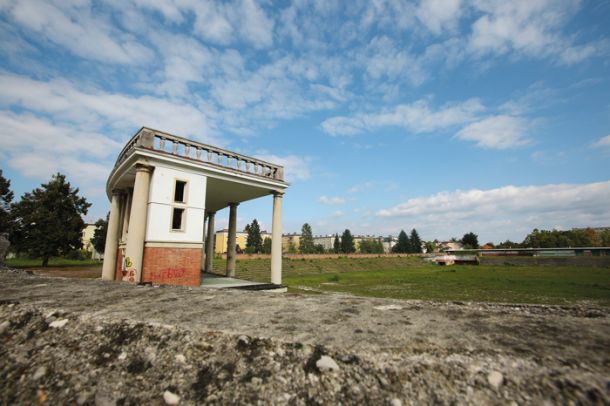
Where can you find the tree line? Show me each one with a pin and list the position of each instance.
(584, 237)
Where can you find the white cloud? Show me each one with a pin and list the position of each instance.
(97, 109)
(295, 167)
(497, 132)
(225, 22)
(531, 28)
(74, 26)
(331, 200)
(37, 148)
(438, 15)
(505, 212)
(415, 117)
(603, 142)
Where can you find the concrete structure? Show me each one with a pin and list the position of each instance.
(541, 252)
(241, 237)
(87, 236)
(165, 192)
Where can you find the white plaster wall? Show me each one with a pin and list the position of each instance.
(161, 202)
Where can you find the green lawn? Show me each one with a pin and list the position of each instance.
(411, 278)
(53, 262)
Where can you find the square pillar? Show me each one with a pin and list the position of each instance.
(232, 240)
(112, 238)
(209, 246)
(203, 249)
(134, 252)
(276, 240)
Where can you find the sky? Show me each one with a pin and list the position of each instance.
(447, 116)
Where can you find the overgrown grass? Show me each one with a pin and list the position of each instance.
(411, 278)
(53, 262)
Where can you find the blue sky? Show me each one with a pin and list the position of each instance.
(448, 116)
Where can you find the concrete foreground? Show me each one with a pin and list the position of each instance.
(68, 341)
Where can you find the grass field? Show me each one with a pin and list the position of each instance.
(412, 278)
(53, 262)
(405, 278)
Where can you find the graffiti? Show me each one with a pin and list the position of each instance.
(129, 273)
(170, 273)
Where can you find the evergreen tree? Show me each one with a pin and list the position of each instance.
(6, 197)
(470, 240)
(415, 242)
(267, 245)
(48, 220)
(99, 236)
(347, 242)
(337, 244)
(254, 241)
(403, 244)
(306, 246)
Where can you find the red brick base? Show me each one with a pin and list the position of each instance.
(172, 265)
(118, 275)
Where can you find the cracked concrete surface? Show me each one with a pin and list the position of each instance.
(253, 347)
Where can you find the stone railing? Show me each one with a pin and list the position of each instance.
(181, 147)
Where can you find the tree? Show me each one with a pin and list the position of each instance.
(430, 246)
(99, 235)
(306, 246)
(48, 220)
(254, 241)
(319, 249)
(347, 242)
(267, 245)
(604, 238)
(470, 240)
(508, 244)
(403, 244)
(415, 242)
(337, 244)
(6, 197)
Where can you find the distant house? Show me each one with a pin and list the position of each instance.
(291, 242)
(87, 236)
(221, 240)
(450, 246)
(327, 241)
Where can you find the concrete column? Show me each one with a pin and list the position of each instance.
(209, 255)
(126, 211)
(276, 240)
(112, 238)
(204, 248)
(232, 237)
(134, 251)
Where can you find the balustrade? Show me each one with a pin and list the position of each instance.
(181, 147)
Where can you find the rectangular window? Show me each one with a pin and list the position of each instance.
(179, 191)
(177, 218)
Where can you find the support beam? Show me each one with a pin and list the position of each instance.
(134, 252)
(276, 240)
(232, 239)
(209, 255)
(112, 238)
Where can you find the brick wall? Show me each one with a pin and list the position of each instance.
(118, 276)
(174, 266)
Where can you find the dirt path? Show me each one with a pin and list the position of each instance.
(125, 344)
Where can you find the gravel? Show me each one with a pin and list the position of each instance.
(125, 345)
